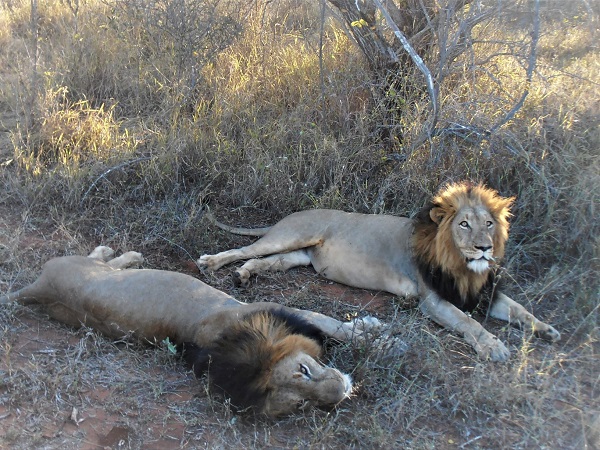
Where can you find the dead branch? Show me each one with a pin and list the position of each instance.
(431, 87)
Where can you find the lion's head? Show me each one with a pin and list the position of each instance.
(458, 237)
(269, 362)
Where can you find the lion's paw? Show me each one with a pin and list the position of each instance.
(241, 278)
(207, 261)
(127, 260)
(492, 348)
(367, 323)
(102, 252)
(546, 332)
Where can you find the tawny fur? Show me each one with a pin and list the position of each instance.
(447, 255)
(279, 346)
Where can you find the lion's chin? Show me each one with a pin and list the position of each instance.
(480, 265)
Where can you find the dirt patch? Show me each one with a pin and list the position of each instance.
(371, 302)
(92, 418)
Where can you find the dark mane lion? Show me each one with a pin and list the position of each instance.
(447, 255)
(241, 360)
(262, 355)
(440, 262)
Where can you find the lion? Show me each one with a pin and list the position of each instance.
(265, 357)
(446, 255)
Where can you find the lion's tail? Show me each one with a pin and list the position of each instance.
(10, 297)
(26, 296)
(236, 230)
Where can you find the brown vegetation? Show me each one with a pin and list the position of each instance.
(120, 119)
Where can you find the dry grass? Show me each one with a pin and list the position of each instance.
(124, 133)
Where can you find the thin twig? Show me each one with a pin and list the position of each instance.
(321, 68)
(178, 246)
(103, 175)
(535, 35)
(476, 438)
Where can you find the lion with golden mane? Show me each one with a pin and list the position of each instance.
(263, 356)
(446, 255)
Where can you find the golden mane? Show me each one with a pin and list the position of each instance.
(432, 239)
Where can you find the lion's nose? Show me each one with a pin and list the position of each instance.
(483, 248)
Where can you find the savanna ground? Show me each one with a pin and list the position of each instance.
(119, 119)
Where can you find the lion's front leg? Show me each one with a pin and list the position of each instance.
(342, 331)
(449, 316)
(505, 308)
(355, 330)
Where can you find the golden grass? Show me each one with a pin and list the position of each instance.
(73, 133)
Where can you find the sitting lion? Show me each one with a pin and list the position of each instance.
(446, 255)
(261, 355)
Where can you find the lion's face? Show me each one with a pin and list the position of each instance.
(269, 361)
(299, 381)
(475, 219)
(462, 233)
(473, 230)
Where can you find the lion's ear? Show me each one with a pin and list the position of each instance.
(437, 214)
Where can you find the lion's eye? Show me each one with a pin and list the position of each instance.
(464, 224)
(489, 224)
(304, 370)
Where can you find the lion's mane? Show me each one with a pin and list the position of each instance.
(440, 263)
(241, 360)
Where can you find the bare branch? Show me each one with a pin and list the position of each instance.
(431, 87)
(535, 35)
(359, 16)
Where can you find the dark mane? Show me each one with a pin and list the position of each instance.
(240, 360)
(422, 217)
(444, 284)
(297, 325)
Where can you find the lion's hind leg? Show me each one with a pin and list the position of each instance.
(126, 260)
(275, 242)
(102, 252)
(218, 260)
(279, 262)
(505, 308)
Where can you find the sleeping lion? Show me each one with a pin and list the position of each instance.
(446, 255)
(263, 356)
